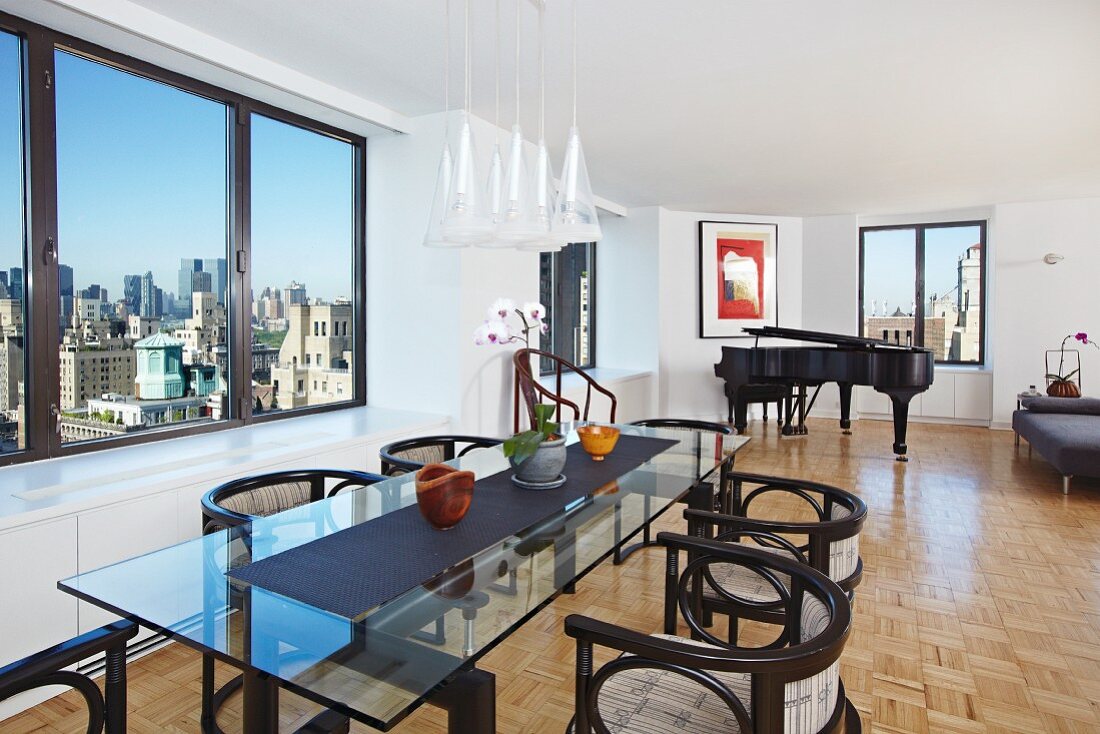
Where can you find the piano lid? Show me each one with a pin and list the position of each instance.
(842, 340)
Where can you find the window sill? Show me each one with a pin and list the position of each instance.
(603, 375)
(41, 490)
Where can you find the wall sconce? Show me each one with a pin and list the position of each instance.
(1052, 258)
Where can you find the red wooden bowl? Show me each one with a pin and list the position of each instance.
(443, 494)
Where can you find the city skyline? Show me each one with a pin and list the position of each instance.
(890, 261)
(125, 197)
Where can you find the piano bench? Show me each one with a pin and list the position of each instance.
(758, 393)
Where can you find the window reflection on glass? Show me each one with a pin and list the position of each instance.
(567, 289)
(889, 285)
(12, 240)
(953, 292)
(142, 179)
(303, 238)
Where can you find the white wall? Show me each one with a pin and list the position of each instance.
(687, 385)
(1038, 304)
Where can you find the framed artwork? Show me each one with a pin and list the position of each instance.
(737, 278)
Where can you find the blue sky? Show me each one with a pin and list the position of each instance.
(890, 264)
(143, 181)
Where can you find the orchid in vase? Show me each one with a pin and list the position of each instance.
(1061, 383)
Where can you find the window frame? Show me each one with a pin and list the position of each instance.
(42, 389)
(558, 315)
(920, 229)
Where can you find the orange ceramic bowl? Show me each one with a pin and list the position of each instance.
(598, 440)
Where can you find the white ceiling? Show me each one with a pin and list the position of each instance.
(764, 106)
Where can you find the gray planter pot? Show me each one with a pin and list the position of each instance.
(545, 465)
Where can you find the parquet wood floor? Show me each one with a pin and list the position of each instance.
(979, 609)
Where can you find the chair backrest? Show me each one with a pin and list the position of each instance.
(684, 424)
(240, 501)
(410, 454)
(528, 391)
(792, 686)
(48, 668)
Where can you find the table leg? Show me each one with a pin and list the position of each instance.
(471, 703)
(261, 703)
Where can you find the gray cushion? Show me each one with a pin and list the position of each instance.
(1070, 442)
(1076, 406)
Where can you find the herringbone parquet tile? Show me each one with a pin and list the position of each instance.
(979, 609)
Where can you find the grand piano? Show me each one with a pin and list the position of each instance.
(895, 369)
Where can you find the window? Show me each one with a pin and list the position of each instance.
(12, 246)
(303, 201)
(133, 271)
(924, 285)
(142, 192)
(568, 290)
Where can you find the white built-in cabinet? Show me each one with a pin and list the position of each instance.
(965, 396)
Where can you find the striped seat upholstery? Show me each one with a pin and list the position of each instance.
(264, 501)
(423, 454)
(743, 582)
(655, 701)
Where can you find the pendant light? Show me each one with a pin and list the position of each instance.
(517, 212)
(575, 218)
(495, 185)
(466, 220)
(433, 237)
(542, 187)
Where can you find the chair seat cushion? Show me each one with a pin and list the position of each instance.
(744, 583)
(649, 700)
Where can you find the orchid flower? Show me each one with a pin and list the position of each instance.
(498, 332)
(1081, 337)
(501, 308)
(534, 311)
(481, 335)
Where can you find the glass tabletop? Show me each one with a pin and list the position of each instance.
(379, 666)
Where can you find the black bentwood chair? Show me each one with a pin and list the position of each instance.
(47, 668)
(678, 424)
(662, 683)
(829, 543)
(411, 454)
(241, 501)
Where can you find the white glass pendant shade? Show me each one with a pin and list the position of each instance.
(466, 219)
(575, 218)
(542, 186)
(517, 222)
(434, 237)
(493, 189)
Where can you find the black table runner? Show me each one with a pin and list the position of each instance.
(354, 570)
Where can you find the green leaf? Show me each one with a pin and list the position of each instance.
(543, 413)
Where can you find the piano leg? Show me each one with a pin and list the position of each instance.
(741, 414)
(901, 422)
(788, 414)
(846, 407)
(802, 410)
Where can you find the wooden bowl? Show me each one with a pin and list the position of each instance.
(598, 441)
(443, 494)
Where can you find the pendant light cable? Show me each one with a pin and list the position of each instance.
(517, 60)
(542, 74)
(496, 119)
(446, 68)
(467, 41)
(574, 63)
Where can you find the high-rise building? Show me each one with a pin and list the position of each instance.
(295, 294)
(94, 292)
(315, 358)
(11, 353)
(91, 373)
(15, 283)
(149, 296)
(65, 280)
(219, 274)
(188, 267)
(201, 282)
(131, 291)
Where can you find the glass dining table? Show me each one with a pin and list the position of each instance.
(419, 642)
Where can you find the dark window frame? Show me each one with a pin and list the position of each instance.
(561, 305)
(41, 329)
(919, 286)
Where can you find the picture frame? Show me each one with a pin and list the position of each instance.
(737, 278)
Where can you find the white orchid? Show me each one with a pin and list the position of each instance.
(495, 330)
(534, 311)
(501, 308)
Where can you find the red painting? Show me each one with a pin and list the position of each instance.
(735, 290)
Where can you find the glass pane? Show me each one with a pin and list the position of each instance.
(567, 290)
(890, 284)
(142, 179)
(304, 323)
(12, 239)
(953, 292)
